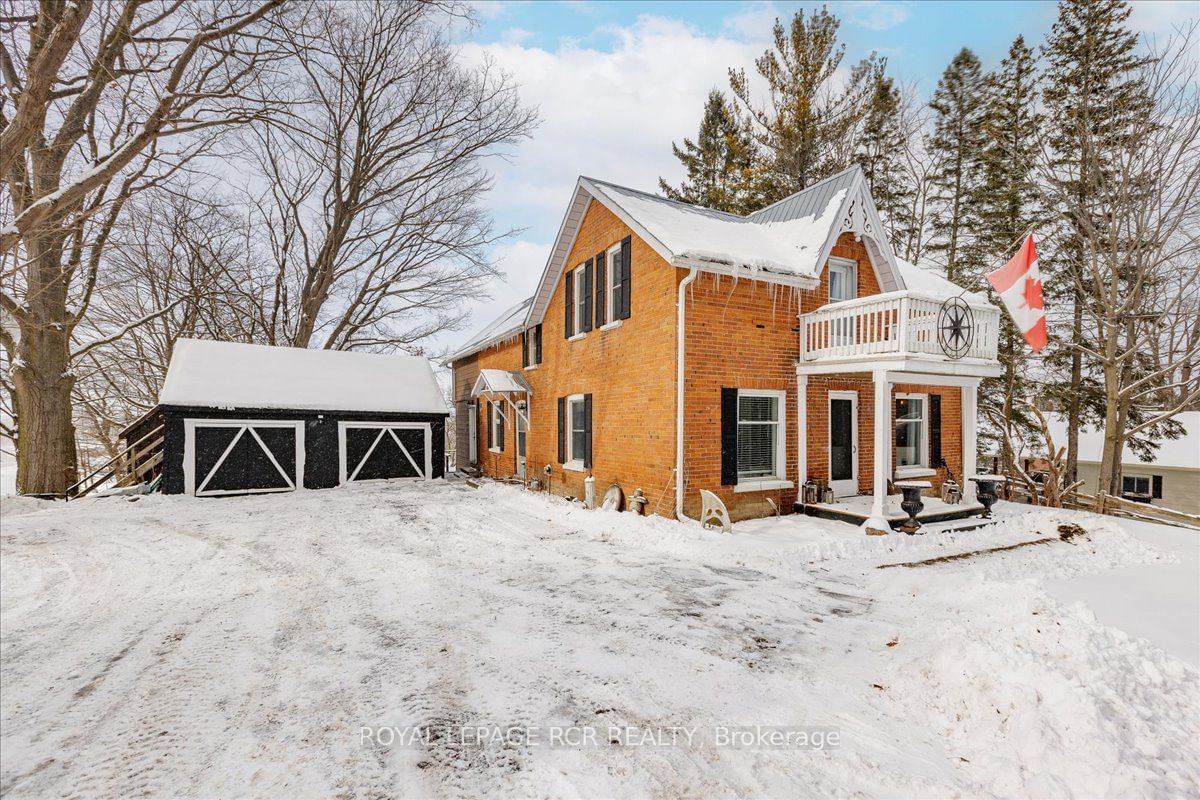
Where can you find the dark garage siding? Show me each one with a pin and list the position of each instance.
(320, 440)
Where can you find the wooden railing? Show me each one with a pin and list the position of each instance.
(135, 464)
(903, 322)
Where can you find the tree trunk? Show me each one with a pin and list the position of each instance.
(42, 384)
(1075, 403)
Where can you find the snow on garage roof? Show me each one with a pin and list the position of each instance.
(230, 375)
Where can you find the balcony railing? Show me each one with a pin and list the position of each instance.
(896, 323)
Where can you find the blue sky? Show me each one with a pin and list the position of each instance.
(615, 83)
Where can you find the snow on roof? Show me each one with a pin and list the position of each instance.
(505, 326)
(498, 380)
(692, 233)
(1180, 453)
(928, 279)
(231, 375)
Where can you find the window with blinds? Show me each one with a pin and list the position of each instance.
(757, 436)
(911, 431)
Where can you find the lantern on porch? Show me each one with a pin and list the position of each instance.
(810, 492)
(951, 493)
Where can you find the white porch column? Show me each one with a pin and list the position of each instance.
(970, 421)
(801, 431)
(877, 523)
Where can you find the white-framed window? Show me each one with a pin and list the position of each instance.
(497, 423)
(843, 279)
(1136, 486)
(761, 434)
(612, 287)
(581, 299)
(912, 430)
(576, 434)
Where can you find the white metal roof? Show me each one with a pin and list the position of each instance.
(231, 375)
(506, 326)
(499, 381)
(1177, 453)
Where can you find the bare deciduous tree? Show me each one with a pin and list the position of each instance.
(102, 102)
(374, 183)
(1138, 235)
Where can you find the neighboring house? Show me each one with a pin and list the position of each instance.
(673, 348)
(248, 419)
(1171, 480)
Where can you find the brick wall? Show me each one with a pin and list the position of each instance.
(629, 370)
(742, 334)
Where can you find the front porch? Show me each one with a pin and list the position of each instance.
(857, 510)
(885, 394)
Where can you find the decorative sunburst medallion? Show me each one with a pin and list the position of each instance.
(956, 327)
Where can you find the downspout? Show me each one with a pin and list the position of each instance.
(679, 372)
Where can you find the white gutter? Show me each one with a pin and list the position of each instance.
(679, 371)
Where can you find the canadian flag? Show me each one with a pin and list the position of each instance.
(1019, 284)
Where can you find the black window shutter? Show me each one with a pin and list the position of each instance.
(1156, 487)
(569, 323)
(587, 295)
(601, 289)
(537, 344)
(587, 430)
(562, 430)
(488, 424)
(499, 426)
(626, 269)
(524, 348)
(935, 431)
(729, 444)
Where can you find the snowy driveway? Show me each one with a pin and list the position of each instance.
(174, 646)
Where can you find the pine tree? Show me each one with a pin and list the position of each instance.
(1008, 206)
(880, 147)
(719, 164)
(1092, 94)
(956, 147)
(805, 129)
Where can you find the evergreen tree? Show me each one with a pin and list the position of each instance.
(1008, 206)
(805, 129)
(956, 147)
(1092, 95)
(880, 149)
(719, 164)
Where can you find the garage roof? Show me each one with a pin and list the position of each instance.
(230, 375)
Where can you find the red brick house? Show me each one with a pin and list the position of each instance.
(674, 348)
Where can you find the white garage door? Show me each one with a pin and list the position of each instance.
(242, 456)
(384, 451)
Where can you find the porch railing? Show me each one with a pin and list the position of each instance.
(904, 322)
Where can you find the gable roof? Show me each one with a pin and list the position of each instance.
(1183, 453)
(231, 375)
(506, 326)
(787, 242)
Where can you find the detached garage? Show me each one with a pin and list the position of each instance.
(246, 419)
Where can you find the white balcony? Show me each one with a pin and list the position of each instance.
(897, 325)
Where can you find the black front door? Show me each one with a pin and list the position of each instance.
(841, 446)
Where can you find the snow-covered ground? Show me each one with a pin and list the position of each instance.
(170, 646)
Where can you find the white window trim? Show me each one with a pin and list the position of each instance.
(851, 265)
(779, 479)
(923, 442)
(576, 337)
(1149, 479)
(531, 367)
(580, 300)
(493, 424)
(572, 463)
(610, 289)
(608, 326)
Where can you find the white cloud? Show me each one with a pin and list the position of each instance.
(875, 15)
(609, 114)
(515, 36)
(1162, 17)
